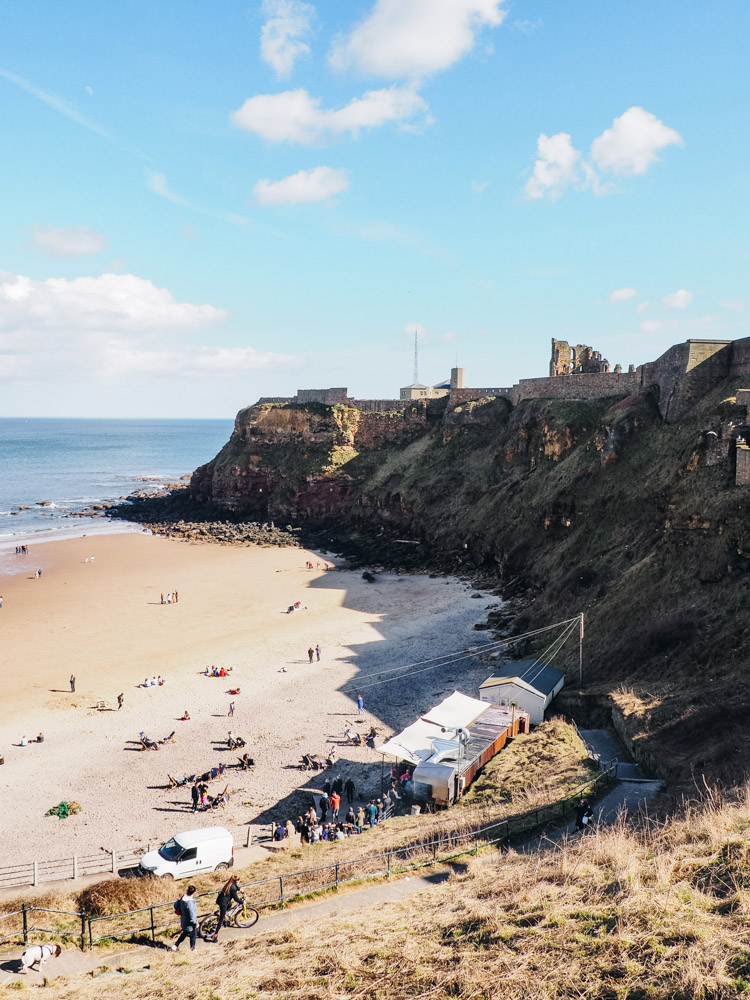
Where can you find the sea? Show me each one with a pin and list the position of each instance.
(67, 465)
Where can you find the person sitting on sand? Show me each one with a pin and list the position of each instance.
(160, 681)
(222, 672)
(40, 738)
(185, 717)
(24, 742)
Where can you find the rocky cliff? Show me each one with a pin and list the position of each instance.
(594, 506)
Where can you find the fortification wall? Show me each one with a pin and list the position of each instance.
(584, 386)
(381, 405)
(739, 364)
(458, 396)
(329, 397)
(276, 399)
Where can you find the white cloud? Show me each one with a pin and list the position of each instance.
(557, 166)
(479, 187)
(642, 306)
(622, 295)
(653, 326)
(680, 299)
(89, 91)
(736, 305)
(113, 327)
(67, 241)
(295, 116)
(449, 337)
(631, 145)
(281, 44)
(414, 38)
(317, 184)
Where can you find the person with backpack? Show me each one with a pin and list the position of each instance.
(188, 910)
(584, 814)
(228, 895)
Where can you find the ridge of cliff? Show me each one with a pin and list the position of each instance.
(596, 506)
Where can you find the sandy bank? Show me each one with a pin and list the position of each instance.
(103, 621)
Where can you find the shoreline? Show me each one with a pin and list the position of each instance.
(102, 620)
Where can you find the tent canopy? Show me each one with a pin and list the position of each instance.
(422, 738)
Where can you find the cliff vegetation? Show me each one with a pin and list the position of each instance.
(595, 506)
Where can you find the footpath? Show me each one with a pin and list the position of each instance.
(631, 794)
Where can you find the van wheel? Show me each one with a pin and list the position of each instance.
(221, 868)
(168, 877)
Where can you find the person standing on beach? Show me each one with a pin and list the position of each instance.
(195, 796)
(162, 596)
(360, 704)
(310, 654)
(120, 700)
(1, 602)
(317, 652)
(231, 708)
(72, 683)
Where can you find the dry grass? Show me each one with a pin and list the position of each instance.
(659, 912)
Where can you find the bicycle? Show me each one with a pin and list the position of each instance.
(241, 915)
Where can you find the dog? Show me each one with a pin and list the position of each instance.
(38, 955)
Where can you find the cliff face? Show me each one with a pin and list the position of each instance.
(594, 506)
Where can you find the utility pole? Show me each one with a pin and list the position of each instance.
(416, 356)
(580, 653)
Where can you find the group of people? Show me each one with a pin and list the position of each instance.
(25, 740)
(318, 564)
(214, 671)
(314, 653)
(357, 739)
(172, 598)
(154, 682)
(202, 801)
(22, 550)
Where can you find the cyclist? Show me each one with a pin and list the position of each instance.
(229, 894)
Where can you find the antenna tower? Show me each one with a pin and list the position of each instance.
(416, 357)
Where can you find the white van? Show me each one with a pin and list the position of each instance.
(207, 850)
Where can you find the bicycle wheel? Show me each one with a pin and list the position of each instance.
(246, 916)
(209, 925)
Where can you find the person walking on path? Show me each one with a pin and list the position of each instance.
(360, 704)
(372, 812)
(584, 812)
(324, 802)
(188, 919)
(228, 894)
(310, 654)
(196, 796)
(360, 818)
(231, 708)
(349, 789)
(72, 683)
(317, 652)
(120, 700)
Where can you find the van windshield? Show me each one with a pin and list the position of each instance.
(171, 851)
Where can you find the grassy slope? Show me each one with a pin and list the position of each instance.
(658, 913)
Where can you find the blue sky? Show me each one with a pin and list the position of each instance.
(205, 203)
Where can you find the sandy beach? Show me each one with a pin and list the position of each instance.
(103, 621)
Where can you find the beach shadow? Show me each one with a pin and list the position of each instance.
(13, 966)
(164, 809)
(59, 691)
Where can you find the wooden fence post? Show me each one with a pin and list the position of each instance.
(249, 837)
(153, 929)
(25, 924)
(36, 873)
(337, 876)
(75, 867)
(83, 929)
(281, 890)
(114, 862)
(389, 866)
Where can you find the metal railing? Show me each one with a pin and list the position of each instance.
(278, 890)
(35, 872)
